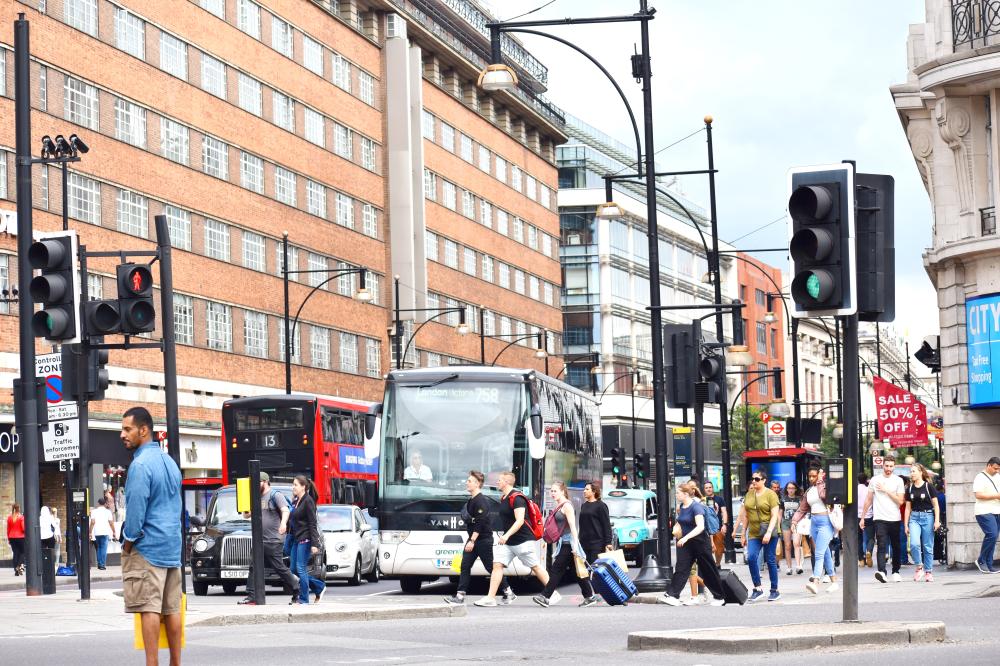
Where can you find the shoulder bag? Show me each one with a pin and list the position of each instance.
(837, 517)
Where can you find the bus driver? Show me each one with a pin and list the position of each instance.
(417, 471)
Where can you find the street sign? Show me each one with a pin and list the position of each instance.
(765, 417)
(902, 418)
(777, 435)
(62, 439)
(877, 462)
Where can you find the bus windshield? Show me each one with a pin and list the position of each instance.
(435, 434)
(269, 418)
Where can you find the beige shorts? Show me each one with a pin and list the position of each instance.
(148, 588)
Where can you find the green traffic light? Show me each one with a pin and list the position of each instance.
(812, 286)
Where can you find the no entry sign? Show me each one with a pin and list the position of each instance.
(902, 419)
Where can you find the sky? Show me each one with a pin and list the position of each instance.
(787, 82)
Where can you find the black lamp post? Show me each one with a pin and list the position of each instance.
(397, 333)
(362, 294)
(539, 349)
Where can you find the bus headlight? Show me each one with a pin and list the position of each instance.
(201, 545)
(394, 536)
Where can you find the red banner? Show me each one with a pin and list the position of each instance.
(902, 419)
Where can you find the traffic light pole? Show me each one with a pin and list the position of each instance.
(849, 534)
(83, 475)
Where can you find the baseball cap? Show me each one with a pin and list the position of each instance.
(264, 476)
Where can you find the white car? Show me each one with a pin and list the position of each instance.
(351, 543)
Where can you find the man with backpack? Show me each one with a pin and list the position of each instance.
(274, 521)
(521, 522)
(716, 525)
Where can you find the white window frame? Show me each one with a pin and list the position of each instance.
(450, 253)
(214, 157)
(345, 210)
(282, 37)
(219, 326)
(373, 357)
(484, 158)
(213, 76)
(348, 352)
(130, 33)
(174, 141)
(173, 56)
(285, 186)
(283, 109)
(448, 194)
(178, 227)
(314, 127)
(487, 269)
(369, 220)
(469, 261)
(217, 7)
(430, 185)
(132, 213)
(343, 141)
(217, 240)
(468, 204)
(255, 334)
(81, 103)
(250, 97)
(447, 137)
(251, 172)
(366, 87)
(84, 196)
(248, 17)
(130, 123)
(316, 198)
(341, 72)
(254, 247)
(183, 319)
(368, 153)
(81, 14)
(431, 245)
(312, 55)
(319, 347)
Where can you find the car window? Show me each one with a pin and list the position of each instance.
(334, 518)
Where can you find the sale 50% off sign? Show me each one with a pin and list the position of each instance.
(902, 418)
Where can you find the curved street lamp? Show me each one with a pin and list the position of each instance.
(462, 328)
(539, 349)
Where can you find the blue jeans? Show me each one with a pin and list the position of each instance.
(821, 531)
(754, 548)
(922, 539)
(101, 544)
(990, 524)
(301, 554)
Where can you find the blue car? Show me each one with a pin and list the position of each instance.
(633, 518)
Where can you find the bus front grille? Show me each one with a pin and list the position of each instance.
(236, 551)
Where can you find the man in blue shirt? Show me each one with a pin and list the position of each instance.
(151, 552)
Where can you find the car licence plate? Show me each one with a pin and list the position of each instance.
(443, 564)
(241, 573)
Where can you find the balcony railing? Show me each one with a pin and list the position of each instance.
(972, 21)
(988, 218)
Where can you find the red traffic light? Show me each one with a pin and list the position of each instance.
(134, 281)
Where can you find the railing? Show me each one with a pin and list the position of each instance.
(973, 20)
(988, 218)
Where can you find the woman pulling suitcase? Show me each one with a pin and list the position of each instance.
(567, 545)
(693, 546)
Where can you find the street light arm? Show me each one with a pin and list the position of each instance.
(573, 359)
(511, 344)
(319, 286)
(424, 323)
(612, 383)
(745, 387)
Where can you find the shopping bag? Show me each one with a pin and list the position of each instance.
(616, 555)
(456, 564)
(137, 624)
(581, 567)
(837, 517)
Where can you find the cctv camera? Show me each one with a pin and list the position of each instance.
(78, 143)
(62, 147)
(48, 148)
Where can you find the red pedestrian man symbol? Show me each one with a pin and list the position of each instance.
(136, 281)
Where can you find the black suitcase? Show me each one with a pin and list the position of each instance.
(733, 589)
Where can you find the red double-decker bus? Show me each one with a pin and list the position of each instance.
(299, 434)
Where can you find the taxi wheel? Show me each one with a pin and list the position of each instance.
(356, 578)
(200, 589)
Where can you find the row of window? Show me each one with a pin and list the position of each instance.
(448, 252)
(486, 213)
(631, 241)
(504, 327)
(438, 131)
(137, 126)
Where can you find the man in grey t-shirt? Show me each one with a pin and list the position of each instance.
(274, 513)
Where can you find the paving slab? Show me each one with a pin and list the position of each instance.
(787, 638)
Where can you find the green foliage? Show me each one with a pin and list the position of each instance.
(749, 415)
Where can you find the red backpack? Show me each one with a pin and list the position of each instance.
(532, 515)
(551, 531)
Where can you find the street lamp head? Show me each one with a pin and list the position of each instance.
(827, 361)
(497, 77)
(739, 356)
(707, 278)
(596, 370)
(363, 295)
(770, 318)
(910, 460)
(541, 353)
(708, 120)
(462, 329)
(936, 465)
(838, 431)
(778, 410)
(609, 211)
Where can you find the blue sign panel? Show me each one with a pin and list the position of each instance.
(982, 328)
(682, 453)
(352, 460)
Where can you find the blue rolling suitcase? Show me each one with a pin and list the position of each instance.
(612, 583)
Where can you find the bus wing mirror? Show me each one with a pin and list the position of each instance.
(368, 489)
(373, 432)
(535, 432)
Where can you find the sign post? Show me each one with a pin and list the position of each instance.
(777, 434)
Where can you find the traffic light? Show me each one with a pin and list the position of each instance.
(712, 368)
(641, 469)
(618, 464)
(876, 252)
(85, 377)
(135, 299)
(822, 237)
(680, 364)
(57, 289)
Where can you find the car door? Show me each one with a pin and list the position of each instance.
(364, 543)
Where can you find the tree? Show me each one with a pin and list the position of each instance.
(738, 435)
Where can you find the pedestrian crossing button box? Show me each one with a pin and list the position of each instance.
(838, 481)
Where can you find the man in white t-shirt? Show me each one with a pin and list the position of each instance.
(986, 488)
(866, 534)
(102, 527)
(885, 496)
(417, 471)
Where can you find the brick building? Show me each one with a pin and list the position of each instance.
(765, 336)
(354, 128)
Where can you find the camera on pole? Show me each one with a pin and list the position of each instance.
(57, 288)
(822, 240)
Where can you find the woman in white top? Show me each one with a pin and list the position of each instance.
(821, 530)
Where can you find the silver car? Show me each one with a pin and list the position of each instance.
(351, 543)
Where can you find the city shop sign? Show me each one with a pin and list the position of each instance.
(982, 328)
(10, 450)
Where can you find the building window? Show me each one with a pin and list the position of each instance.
(760, 297)
(532, 237)
(485, 213)
(248, 18)
(373, 357)
(547, 245)
(173, 56)
(214, 157)
(427, 125)
(515, 177)
(250, 97)
(133, 214)
(531, 188)
(448, 137)
(284, 186)
(341, 72)
(343, 141)
(253, 251)
(448, 194)
(252, 172)
(345, 281)
(217, 7)
(430, 185)
(502, 222)
(489, 323)
(484, 159)
(179, 227)
(366, 88)
(518, 280)
(293, 259)
(369, 220)
(316, 262)
(348, 353)
(296, 344)
(533, 288)
(518, 230)
(281, 36)
(213, 76)
(431, 246)
(183, 320)
(84, 199)
(433, 360)
(82, 15)
(503, 275)
(465, 147)
(468, 204)
(174, 140)
(43, 85)
(345, 210)
(4, 282)
(220, 326)
(544, 196)
(312, 55)
(314, 130)
(216, 240)
(319, 347)
(548, 293)
(130, 123)
(505, 329)
(762, 385)
(316, 199)
(450, 253)
(762, 338)
(501, 169)
(81, 103)
(130, 33)
(255, 334)
(469, 263)
(284, 111)
(368, 153)
(774, 343)
(487, 268)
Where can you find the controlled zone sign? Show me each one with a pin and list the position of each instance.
(982, 335)
(62, 439)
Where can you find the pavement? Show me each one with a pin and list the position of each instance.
(8, 581)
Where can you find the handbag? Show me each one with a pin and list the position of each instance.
(837, 517)
(804, 526)
(616, 555)
(581, 567)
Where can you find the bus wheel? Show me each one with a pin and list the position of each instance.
(410, 585)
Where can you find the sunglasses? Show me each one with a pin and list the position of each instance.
(756, 478)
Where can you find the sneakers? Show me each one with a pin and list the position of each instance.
(799, 571)
(896, 578)
(918, 574)
(928, 577)
(669, 600)
(717, 602)
(249, 601)
(868, 560)
(788, 571)
(457, 600)
(693, 601)
(774, 596)
(319, 595)
(541, 600)
(826, 579)
(555, 598)
(880, 576)
(812, 587)
(833, 587)
(295, 602)
(486, 602)
(755, 595)
(589, 601)
(508, 597)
